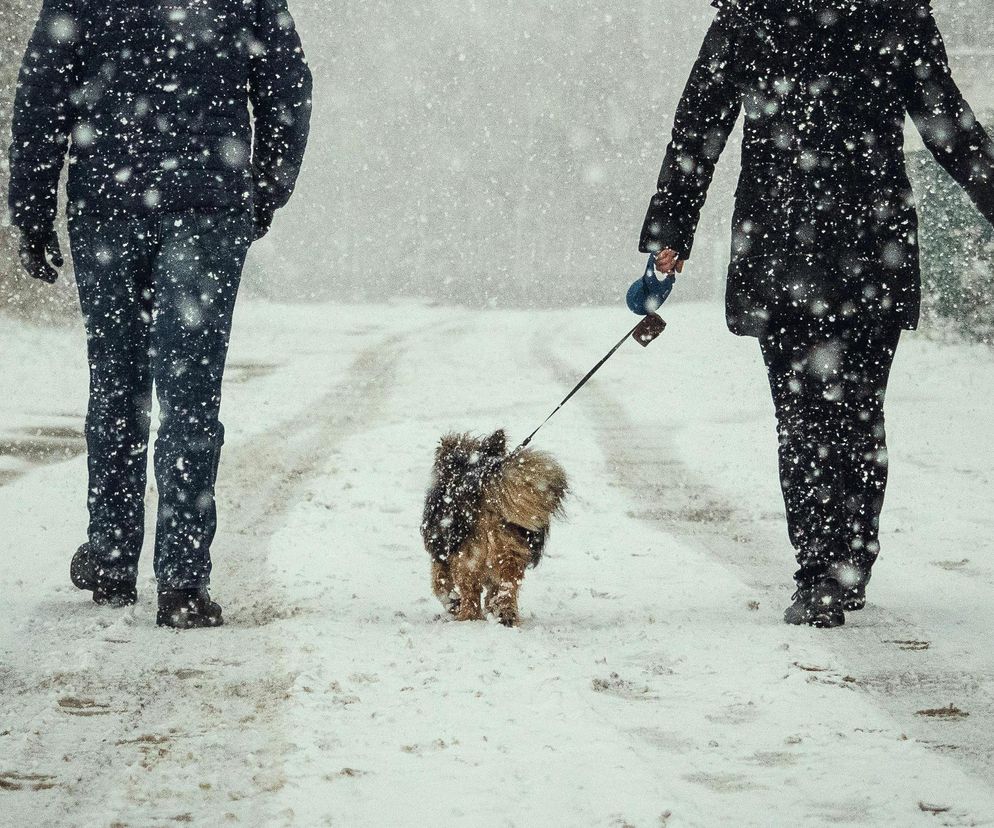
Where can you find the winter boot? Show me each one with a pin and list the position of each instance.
(852, 576)
(818, 605)
(107, 591)
(855, 596)
(187, 609)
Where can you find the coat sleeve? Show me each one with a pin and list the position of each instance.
(705, 118)
(945, 120)
(42, 117)
(280, 91)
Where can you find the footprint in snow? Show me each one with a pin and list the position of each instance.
(345, 773)
(664, 739)
(950, 713)
(14, 781)
(911, 645)
(83, 707)
(615, 685)
(962, 565)
(434, 747)
(735, 714)
(722, 782)
(773, 758)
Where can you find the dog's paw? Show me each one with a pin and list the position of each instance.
(468, 613)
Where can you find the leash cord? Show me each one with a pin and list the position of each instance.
(579, 385)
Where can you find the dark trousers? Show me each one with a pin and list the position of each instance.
(828, 381)
(157, 294)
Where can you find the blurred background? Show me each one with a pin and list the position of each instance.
(502, 153)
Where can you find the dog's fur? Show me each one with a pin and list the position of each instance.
(486, 519)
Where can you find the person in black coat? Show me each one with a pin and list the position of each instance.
(171, 177)
(825, 262)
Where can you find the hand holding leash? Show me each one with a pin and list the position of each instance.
(669, 261)
(646, 295)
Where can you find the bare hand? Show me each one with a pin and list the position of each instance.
(667, 261)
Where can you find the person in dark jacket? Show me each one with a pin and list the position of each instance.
(825, 263)
(170, 180)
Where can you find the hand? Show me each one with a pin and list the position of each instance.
(39, 252)
(667, 261)
(262, 218)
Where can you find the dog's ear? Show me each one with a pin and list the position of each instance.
(447, 445)
(495, 445)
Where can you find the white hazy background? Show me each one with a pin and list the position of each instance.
(503, 151)
(498, 152)
(487, 152)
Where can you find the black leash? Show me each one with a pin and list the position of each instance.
(651, 326)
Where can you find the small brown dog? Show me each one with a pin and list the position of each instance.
(486, 519)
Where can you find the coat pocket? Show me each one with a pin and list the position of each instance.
(792, 290)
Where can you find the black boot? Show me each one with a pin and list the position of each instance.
(187, 609)
(107, 590)
(818, 605)
(852, 576)
(855, 597)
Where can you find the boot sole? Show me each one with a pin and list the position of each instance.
(822, 621)
(178, 621)
(118, 600)
(77, 576)
(124, 596)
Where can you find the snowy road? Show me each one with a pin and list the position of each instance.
(651, 683)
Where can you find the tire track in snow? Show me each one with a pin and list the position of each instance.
(889, 658)
(134, 724)
(268, 474)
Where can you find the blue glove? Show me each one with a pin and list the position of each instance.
(646, 295)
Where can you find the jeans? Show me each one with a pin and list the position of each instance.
(829, 380)
(157, 294)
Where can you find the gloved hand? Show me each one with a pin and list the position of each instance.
(39, 251)
(262, 218)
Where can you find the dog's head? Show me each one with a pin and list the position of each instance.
(463, 464)
(459, 454)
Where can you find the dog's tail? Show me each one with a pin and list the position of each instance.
(528, 493)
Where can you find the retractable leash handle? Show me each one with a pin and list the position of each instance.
(646, 295)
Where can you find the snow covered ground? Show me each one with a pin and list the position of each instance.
(651, 683)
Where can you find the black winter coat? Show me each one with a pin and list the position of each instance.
(825, 220)
(152, 99)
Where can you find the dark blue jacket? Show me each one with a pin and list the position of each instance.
(151, 98)
(825, 220)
